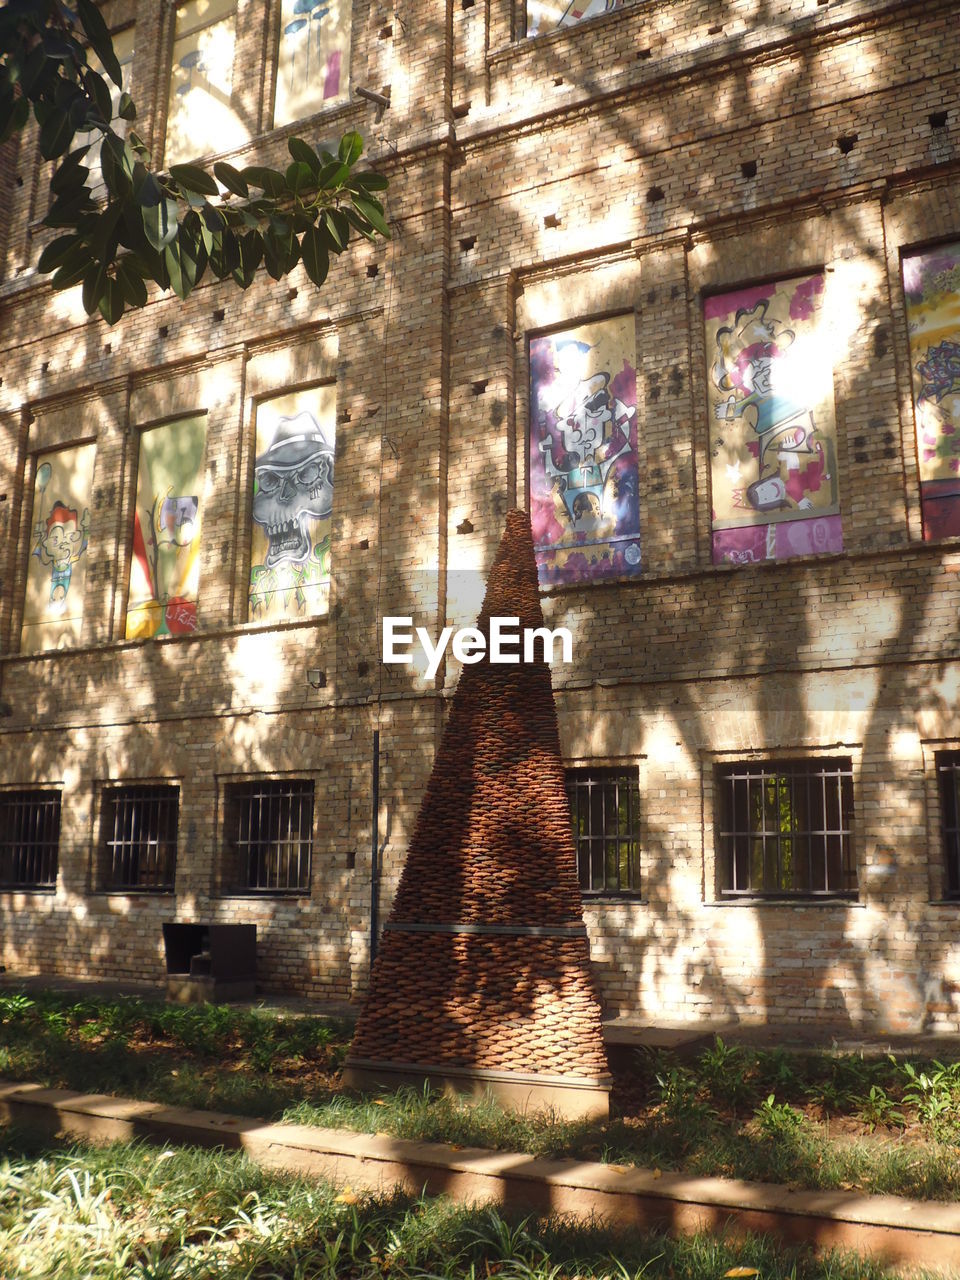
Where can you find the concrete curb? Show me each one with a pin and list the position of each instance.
(920, 1233)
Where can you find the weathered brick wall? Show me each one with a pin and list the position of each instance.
(596, 171)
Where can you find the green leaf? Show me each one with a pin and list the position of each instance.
(126, 110)
(360, 223)
(274, 257)
(94, 286)
(182, 259)
(231, 178)
(298, 176)
(111, 301)
(131, 283)
(33, 69)
(99, 37)
(57, 252)
(71, 173)
(316, 260)
(269, 180)
(369, 180)
(117, 163)
(337, 228)
(159, 218)
(212, 218)
(304, 153)
(192, 178)
(333, 175)
(65, 211)
(70, 273)
(250, 252)
(98, 89)
(225, 254)
(372, 210)
(56, 134)
(351, 147)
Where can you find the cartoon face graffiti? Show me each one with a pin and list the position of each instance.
(177, 521)
(294, 486)
(61, 541)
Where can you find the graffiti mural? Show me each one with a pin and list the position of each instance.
(931, 284)
(548, 15)
(165, 566)
(56, 571)
(201, 115)
(292, 505)
(772, 432)
(584, 483)
(313, 67)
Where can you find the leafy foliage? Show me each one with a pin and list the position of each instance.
(149, 226)
(129, 1210)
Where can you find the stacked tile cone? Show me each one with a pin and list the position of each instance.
(484, 963)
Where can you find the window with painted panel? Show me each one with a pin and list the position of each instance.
(784, 828)
(203, 116)
(313, 58)
(605, 811)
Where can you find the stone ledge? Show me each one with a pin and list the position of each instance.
(919, 1233)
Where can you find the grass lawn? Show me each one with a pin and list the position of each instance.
(816, 1120)
(129, 1210)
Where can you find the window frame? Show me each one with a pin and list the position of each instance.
(947, 763)
(235, 874)
(590, 774)
(161, 793)
(788, 769)
(15, 798)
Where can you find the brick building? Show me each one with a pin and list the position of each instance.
(681, 277)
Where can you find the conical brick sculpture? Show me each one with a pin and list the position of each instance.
(483, 978)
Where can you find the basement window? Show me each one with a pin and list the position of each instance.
(29, 839)
(784, 829)
(138, 837)
(268, 834)
(948, 777)
(605, 811)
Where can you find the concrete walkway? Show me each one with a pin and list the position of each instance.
(890, 1228)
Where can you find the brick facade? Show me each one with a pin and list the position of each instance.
(634, 164)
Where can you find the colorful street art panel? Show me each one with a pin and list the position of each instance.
(165, 567)
(201, 115)
(931, 284)
(548, 15)
(292, 505)
(772, 431)
(313, 67)
(584, 481)
(57, 568)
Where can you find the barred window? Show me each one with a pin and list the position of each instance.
(605, 809)
(138, 837)
(268, 828)
(29, 839)
(784, 828)
(948, 774)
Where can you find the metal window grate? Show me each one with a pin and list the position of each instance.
(139, 837)
(784, 829)
(948, 773)
(605, 810)
(29, 839)
(269, 826)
